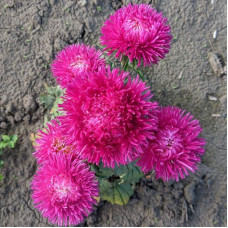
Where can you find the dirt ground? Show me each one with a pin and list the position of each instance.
(31, 33)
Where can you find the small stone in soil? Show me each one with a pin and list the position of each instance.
(217, 64)
(17, 116)
(216, 115)
(212, 98)
(215, 34)
(3, 125)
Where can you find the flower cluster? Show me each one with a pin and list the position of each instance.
(109, 119)
(63, 188)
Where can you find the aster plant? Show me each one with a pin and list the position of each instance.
(107, 132)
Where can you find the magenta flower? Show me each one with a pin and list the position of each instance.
(107, 118)
(74, 61)
(50, 142)
(176, 148)
(64, 190)
(137, 31)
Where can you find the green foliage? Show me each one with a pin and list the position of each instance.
(51, 99)
(102, 172)
(140, 73)
(5, 138)
(134, 66)
(1, 163)
(7, 141)
(129, 173)
(117, 185)
(115, 193)
(127, 65)
(125, 62)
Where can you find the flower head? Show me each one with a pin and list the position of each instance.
(176, 148)
(137, 31)
(107, 118)
(74, 61)
(64, 190)
(50, 142)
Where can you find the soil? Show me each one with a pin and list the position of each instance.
(33, 31)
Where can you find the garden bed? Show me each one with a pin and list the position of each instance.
(32, 32)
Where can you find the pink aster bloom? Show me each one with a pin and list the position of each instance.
(108, 118)
(64, 190)
(74, 61)
(176, 148)
(50, 142)
(137, 31)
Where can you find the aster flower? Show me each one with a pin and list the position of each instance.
(74, 61)
(50, 142)
(138, 32)
(64, 190)
(176, 148)
(107, 118)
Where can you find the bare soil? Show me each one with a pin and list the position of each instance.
(33, 31)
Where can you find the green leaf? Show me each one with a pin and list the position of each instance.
(55, 109)
(125, 63)
(140, 73)
(125, 66)
(135, 63)
(1, 177)
(1, 152)
(111, 64)
(101, 46)
(117, 185)
(5, 138)
(58, 91)
(50, 90)
(94, 168)
(3, 144)
(46, 120)
(47, 100)
(122, 193)
(105, 189)
(129, 173)
(11, 144)
(51, 100)
(102, 172)
(1, 163)
(115, 193)
(14, 138)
